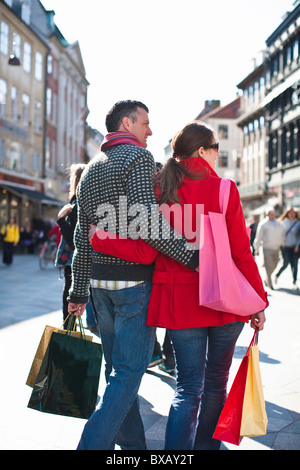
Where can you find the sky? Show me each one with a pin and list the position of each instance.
(170, 54)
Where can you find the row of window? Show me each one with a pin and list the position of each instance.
(256, 91)
(284, 101)
(23, 52)
(289, 54)
(284, 147)
(254, 126)
(19, 106)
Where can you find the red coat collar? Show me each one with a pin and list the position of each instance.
(197, 163)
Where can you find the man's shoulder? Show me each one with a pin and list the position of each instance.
(129, 152)
(118, 155)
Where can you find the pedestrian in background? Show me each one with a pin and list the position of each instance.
(291, 246)
(203, 339)
(163, 356)
(11, 236)
(67, 220)
(124, 173)
(270, 235)
(253, 230)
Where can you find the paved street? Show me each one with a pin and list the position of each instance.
(31, 298)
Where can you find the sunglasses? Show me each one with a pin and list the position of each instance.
(214, 146)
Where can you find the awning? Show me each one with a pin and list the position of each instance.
(20, 191)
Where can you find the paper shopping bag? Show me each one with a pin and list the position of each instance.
(68, 380)
(41, 350)
(244, 412)
(229, 424)
(39, 355)
(254, 417)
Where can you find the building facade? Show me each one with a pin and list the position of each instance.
(270, 118)
(66, 110)
(22, 111)
(282, 106)
(43, 110)
(253, 188)
(223, 119)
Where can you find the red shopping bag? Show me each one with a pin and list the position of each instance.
(229, 425)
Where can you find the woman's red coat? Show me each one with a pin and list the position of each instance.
(174, 301)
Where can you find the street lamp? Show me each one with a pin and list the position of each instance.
(14, 60)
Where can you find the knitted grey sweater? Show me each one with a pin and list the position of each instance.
(116, 192)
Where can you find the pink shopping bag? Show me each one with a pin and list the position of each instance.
(222, 286)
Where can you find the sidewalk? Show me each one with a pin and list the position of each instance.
(31, 298)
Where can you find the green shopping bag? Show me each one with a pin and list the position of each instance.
(68, 380)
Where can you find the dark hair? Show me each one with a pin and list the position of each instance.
(76, 170)
(184, 144)
(286, 213)
(120, 110)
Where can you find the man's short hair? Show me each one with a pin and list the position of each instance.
(120, 110)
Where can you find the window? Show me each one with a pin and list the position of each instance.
(38, 66)
(47, 154)
(261, 87)
(287, 55)
(268, 79)
(223, 131)
(16, 49)
(296, 49)
(24, 161)
(54, 107)
(54, 69)
(14, 103)
(49, 103)
(238, 159)
(223, 160)
(26, 11)
(35, 163)
(4, 33)
(250, 91)
(256, 92)
(25, 109)
(2, 152)
(262, 122)
(27, 57)
(49, 64)
(3, 96)
(14, 156)
(37, 116)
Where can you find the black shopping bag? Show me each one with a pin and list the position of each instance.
(68, 380)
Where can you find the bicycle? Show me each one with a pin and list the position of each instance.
(47, 253)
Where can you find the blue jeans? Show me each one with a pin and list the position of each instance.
(203, 359)
(127, 345)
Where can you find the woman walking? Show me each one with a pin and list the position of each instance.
(290, 250)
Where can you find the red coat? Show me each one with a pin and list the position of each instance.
(174, 301)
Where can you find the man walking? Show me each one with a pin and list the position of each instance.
(270, 234)
(120, 180)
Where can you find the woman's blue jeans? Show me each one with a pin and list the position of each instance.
(127, 345)
(203, 359)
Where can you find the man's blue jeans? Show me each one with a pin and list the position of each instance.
(203, 359)
(127, 345)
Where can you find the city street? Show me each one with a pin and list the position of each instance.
(31, 298)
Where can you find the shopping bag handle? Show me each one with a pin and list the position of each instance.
(254, 341)
(72, 319)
